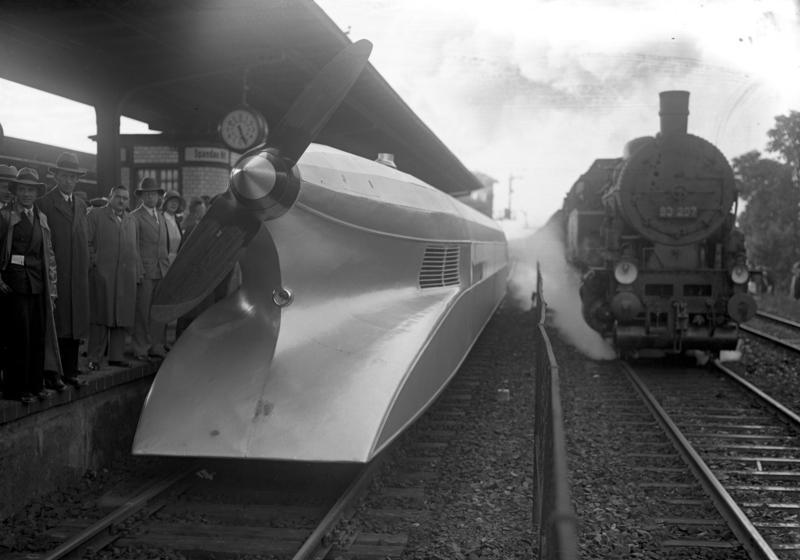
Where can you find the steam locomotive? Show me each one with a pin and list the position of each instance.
(653, 233)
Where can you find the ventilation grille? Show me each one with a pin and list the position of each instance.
(439, 266)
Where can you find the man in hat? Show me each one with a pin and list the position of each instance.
(28, 288)
(66, 214)
(151, 228)
(115, 271)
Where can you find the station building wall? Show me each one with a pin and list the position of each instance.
(193, 168)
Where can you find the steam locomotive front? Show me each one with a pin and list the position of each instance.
(676, 276)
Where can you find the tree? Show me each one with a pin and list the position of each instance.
(784, 140)
(769, 220)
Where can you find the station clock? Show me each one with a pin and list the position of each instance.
(243, 128)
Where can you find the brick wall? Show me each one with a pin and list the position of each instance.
(198, 181)
(155, 154)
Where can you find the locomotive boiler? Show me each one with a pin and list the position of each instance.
(653, 233)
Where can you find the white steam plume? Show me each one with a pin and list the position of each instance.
(560, 289)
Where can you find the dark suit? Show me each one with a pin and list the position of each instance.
(70, 243)
(28, 268)
(149, 335)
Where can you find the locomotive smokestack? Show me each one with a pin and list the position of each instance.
(674, 112)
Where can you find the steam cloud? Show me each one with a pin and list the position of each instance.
(560, 289)
(537, 89)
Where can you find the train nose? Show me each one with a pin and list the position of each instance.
(208, 388)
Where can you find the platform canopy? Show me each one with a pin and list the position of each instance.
(180, 65)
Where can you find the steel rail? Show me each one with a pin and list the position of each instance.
(748, 535)
(773, 339)
(792, 416)
(311, 547)
(123, 512)
(778, 319)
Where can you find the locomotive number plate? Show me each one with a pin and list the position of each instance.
(677, 211)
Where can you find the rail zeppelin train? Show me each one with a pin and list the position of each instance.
(362, 290)
(653, 233)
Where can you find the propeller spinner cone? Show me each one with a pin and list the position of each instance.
(265, 183)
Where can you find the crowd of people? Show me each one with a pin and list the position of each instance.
(72, 272)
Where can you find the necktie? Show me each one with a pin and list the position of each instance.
(155, 215)
(28, 214)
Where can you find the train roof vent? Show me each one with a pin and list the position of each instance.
(440, 266)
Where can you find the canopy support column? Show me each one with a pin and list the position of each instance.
(108, 156)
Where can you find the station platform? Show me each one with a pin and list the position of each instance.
(48, 444)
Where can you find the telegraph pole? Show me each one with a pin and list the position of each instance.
(510, 193)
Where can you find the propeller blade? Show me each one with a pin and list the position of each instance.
(311, 111)
(230, 224)
(206, 257)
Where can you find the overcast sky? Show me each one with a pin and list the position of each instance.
(539, 89)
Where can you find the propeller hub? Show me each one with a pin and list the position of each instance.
(265, 183)
(253, 178)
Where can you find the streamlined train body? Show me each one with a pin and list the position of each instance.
(653, 232)
(356, 307)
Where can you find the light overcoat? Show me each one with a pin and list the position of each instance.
(152, 243)
(70, 237)
(8, 219)
(116, 267)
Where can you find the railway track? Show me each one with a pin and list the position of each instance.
(634, 429)
(742, 446)
(232, 509)
(264, 509)
(778, 330)
(636, 498)
(224, 509)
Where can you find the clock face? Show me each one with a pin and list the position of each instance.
(241, 129)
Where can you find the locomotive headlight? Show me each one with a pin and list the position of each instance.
(739, 274)
(625, 272)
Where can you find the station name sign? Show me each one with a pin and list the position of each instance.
(207, 155)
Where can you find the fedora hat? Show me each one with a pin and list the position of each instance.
(27, 176)
(7, 172)
(148, 184)
(68, 162)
